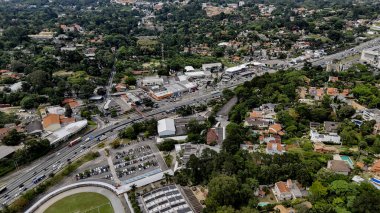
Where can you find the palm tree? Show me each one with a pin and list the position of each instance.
(168, 177)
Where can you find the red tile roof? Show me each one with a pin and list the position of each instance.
(282, 187)
(212, 137)
(71, 102)
(50, 119)
(275, 128)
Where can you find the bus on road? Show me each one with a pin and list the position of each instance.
(75, 141)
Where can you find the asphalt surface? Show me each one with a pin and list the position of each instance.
(344, 54)
(60, 157)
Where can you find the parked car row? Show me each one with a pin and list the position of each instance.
(91, 172)
(124, 163)
(134, 153)
(133, 169)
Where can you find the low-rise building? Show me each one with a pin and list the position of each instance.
(274, 148)
(287, 190)
(371, 56)
(152, 81)
(331, 127)
(53, 122)
(324, 138)
(339, 166)
(212, 67)
(166, 127)
(215, 136)
(165, 199)
(371, 114)
(66, 132)
(256, 123)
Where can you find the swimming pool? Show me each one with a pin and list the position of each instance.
(348, 160)
(263, 204)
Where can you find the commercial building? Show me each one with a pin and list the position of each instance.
(53, 122)
(371, 56)
(66, 132)
(212, 67)
(6, 151)
(198, 74)
(165, 199)
(166, 127)
(152, 81)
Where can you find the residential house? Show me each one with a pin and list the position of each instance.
(276, 129)
(256, 123)
(322, 148)
(281, 191)
(375, 168)
(333, 79)
(287, 190)
(331, 127)
(215, 136)
(274, 148)
(339, 166)
(256, 114)
(332, 91)
(371, 114)
(325, 138)
(4, 131)
(71, 102)
(269, 138)
(248, 145)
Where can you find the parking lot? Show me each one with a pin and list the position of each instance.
(134, 160)
(95, 171)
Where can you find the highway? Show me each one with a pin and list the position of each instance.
(60, 157)
(343, 54)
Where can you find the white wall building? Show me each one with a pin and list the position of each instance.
(152, 81)
(371, 56)
(330, 137)
(166, 127)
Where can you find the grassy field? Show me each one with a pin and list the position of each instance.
(82, 202)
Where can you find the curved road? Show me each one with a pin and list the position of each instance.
(114, 199)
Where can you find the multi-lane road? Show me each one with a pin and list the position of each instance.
(344, 54)
(60, 158)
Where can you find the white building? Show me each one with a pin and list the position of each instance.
(287, 190)
(330, 137)
(371, 56)
(66, 132)
(371, 114)
(213, 67)
(236, 70)
(152, 81)
(166, 127)
(198, 74)
(189, 69)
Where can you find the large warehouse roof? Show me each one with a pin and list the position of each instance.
(166, 125)
(67, 131)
